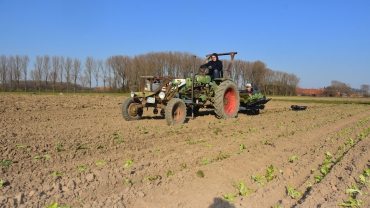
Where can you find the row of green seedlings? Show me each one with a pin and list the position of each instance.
(56, 205)
(327, 165)
(59, 148)
(304, 128)
(243, 190)
(354, 190)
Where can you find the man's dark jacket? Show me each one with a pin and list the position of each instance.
(215, 65)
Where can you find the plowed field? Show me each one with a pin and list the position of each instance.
(78, 151)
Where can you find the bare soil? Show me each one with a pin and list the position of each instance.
(146, 163)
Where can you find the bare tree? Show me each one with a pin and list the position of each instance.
(24, 64)
(84, 80)
(55, 71)
(38, 68)
(61, 71)
(68, 69)
(3, 71)
(365, 88)
(34, 77)
(90, 65)
(96, 71)
(104, 75)
(16, 65)
(76, 72)
(46, 70)
(10, 65)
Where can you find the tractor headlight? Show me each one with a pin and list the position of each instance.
(132, 94)
(162, 95)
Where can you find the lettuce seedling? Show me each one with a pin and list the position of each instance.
(101, 162)
(293, 193)
(351, 203)
(129, 162)
(169, 174)
(354, 190)
(82, 168)
(230, 197)
(55, 205)
(200, 174)
(6, 163)
(56, 173)
(291, 159)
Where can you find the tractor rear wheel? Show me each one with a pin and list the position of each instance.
(131, 110)
(227, 100)
(175, 112)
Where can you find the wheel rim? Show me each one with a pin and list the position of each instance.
(132, 110)
(178, 113)
(230, 102)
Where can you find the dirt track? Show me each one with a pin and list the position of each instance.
(93, 134)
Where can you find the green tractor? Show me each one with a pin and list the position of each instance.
(175, 97)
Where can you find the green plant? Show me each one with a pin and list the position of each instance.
(325, 168)
(351, 203)
(129, 162)
(79, 201)
(328, 155)
(354, 190)
(222, 156)
(257, 178)
(184, 166)
(363, 180)
(169, 174)
(367, 172)
(230, 197)
(291, 159)
(269, 173)
(200, 174)
(243, 190)
(1, 183)
(128, 181)
(99, 147)
(156, 150)
(351, 142)
(56, 173)
(82, 168)
(59, 146)
(293, 193)
(55, 205)
(101, 162)
(318, 178)
(21, 146)
(265, 142)
(242, 147)
(189, 141)
(83, 147)
(151, 178)
(6, 163)
(205, 161)
(309, 185)
(201, 141)
(41, 157)
(208, 145)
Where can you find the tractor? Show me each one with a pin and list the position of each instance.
(175, 97)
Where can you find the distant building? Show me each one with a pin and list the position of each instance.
(317, 92)
(310, 92)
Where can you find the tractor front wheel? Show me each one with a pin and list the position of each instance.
(175, 112)
(227, 100)
(131, 110)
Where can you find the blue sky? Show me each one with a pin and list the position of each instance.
(319, 41)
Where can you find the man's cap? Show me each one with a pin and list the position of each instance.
(248, 85)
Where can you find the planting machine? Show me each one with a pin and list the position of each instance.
(175, 97)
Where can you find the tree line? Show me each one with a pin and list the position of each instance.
(121, 73)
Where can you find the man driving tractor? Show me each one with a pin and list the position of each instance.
(214, 67)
